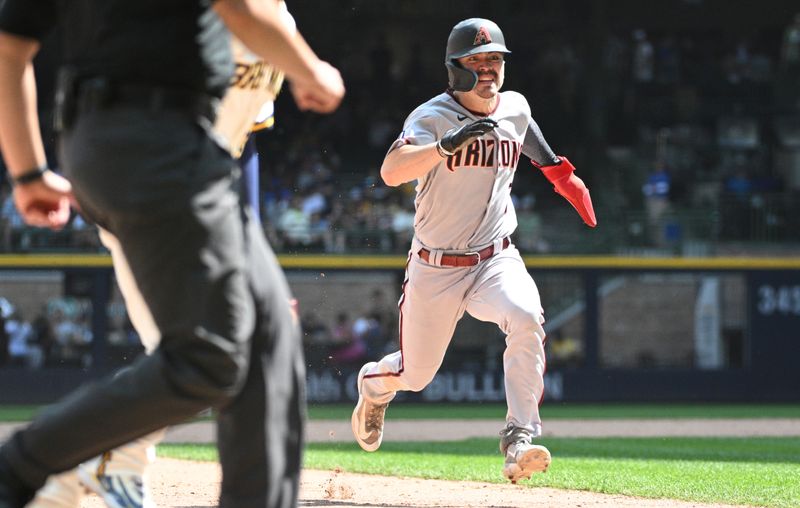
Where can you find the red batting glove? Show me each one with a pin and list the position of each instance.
(572, 188)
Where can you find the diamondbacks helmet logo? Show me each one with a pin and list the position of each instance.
(468, 37)
(482, 37)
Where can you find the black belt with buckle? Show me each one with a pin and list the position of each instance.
(101, 93)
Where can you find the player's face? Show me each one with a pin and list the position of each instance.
(490, 68)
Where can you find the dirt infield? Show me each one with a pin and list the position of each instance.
(196, 484)
(192, 484)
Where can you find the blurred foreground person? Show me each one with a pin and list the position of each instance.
(137, 102)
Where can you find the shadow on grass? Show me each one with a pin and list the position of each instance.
(756, 449)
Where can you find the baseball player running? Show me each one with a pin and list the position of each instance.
(120, 476)
(462, 147)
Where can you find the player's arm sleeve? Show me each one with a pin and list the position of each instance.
(20, 31)
(25, 18)
(536, 148)
(419, 129)
(413, 153)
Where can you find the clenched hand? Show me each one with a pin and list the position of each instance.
(454, 139)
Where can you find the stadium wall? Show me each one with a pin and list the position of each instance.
(640, 329)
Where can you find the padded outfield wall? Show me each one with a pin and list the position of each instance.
(619, 329)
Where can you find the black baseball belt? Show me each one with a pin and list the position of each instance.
(99, 93)
(79, 96)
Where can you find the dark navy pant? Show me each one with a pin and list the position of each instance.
(158, 182)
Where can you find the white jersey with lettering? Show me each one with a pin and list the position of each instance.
(462, 260)
(465, 201)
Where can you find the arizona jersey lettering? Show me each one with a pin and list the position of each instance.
(486, 153)
(471, 188)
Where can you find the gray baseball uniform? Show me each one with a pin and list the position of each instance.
(463, 205)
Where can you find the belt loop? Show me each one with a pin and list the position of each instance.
(498, 246)
(416, 246)
(436, 257)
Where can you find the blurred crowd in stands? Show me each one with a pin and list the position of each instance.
(59, 335)
(689, 140)
(351, 339)
(698, 137)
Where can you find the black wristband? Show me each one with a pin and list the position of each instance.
(28, 176)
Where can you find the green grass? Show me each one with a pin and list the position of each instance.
(201, 452)
(17, 413)
(24, 413)
(550, 411)
(753, 471)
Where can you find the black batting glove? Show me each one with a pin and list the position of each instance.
(457, 137)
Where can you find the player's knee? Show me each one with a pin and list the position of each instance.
(417, 379)
(525, 319)
(211, 371)
(417, 385)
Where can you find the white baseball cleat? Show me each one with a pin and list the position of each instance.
(367, 420)
(61, 491)
(118, 489)
(522, 458)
